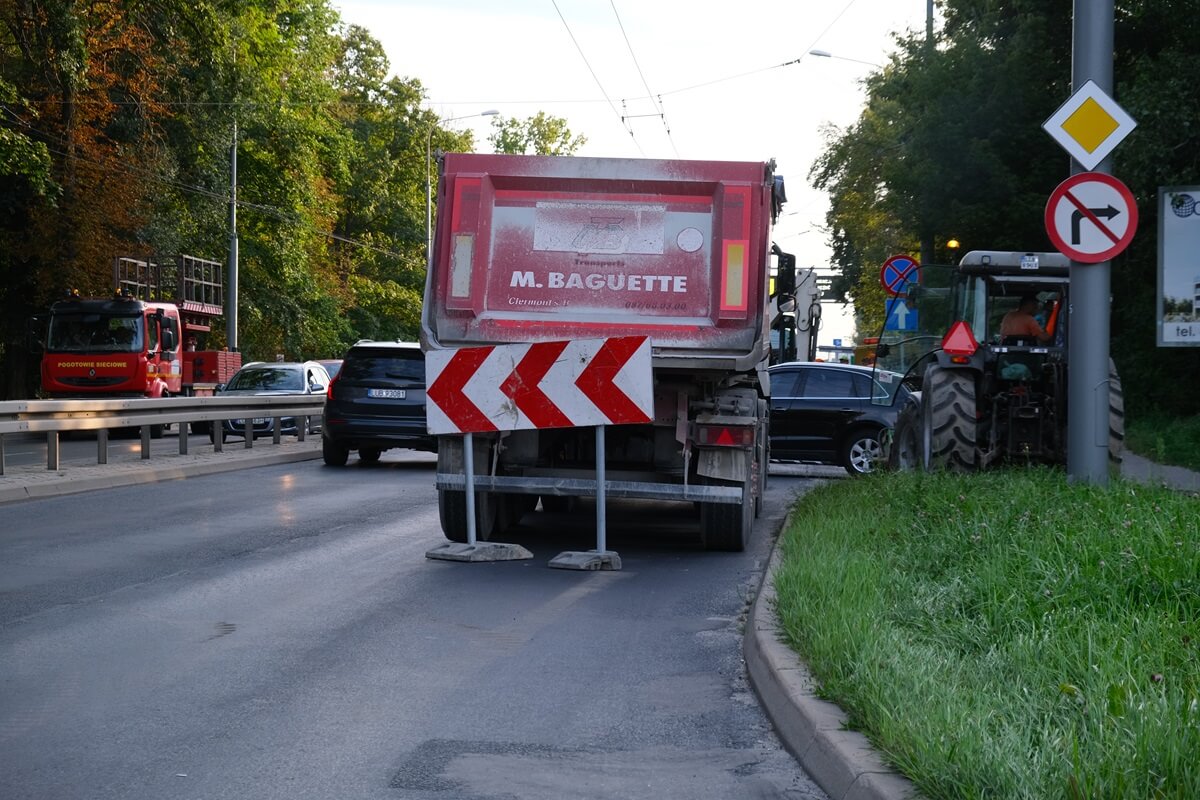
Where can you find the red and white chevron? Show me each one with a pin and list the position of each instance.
(513, 387)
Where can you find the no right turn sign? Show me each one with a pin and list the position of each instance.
(1091, 217)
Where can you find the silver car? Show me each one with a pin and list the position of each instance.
(275, 378)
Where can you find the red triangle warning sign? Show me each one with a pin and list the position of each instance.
(960, 341)
(725, 437)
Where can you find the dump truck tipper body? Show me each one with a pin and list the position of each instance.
(540, 248)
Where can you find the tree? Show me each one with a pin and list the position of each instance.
(537, 135)
(950, 144)
(116, 122)
(86, 79)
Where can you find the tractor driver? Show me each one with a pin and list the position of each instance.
(1020, 324)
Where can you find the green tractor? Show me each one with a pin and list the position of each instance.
(983, 394)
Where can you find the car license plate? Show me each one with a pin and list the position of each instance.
(389, 394)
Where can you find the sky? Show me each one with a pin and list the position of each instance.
(692, 79)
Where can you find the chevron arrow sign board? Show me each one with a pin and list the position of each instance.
(579, 383)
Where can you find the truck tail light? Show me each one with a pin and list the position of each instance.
(464, 228)
(725, 435)
(735, 253)
(733, 278)
(461, 255)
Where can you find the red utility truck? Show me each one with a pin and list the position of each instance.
(143, 341)
(539, 248)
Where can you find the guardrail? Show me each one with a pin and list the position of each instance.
(54, 417)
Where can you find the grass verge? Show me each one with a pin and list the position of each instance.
(1167, 440)
(1006, 634)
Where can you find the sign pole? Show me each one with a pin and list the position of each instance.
(601, 494)
(469, 474)
(1088, 348)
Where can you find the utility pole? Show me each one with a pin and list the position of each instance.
(231, 292)
(1088, 348)
(927, 254)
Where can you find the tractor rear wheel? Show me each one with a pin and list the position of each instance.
(950, 421)
(908, 451)
(1116, 415)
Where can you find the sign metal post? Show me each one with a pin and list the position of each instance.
(1088, 348)
(534, 386)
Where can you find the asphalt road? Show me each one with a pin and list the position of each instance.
(278, 633)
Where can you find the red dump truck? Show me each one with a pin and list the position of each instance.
(145, 339)
(540, 248)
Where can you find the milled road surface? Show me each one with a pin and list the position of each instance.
(278, 633)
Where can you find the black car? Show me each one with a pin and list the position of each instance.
(376, 402)
(832, 413)
(274, 378)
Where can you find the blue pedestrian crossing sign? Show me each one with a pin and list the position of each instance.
(899, 316)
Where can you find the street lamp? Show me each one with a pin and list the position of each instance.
(827, 54)
(491, 112)
(952, 245)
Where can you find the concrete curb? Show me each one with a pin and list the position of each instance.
(76, 479)
(842, 762)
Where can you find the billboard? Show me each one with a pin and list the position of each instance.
(1179, 266)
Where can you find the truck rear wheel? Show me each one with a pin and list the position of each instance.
(452, 504)
(452, 508)
(1116, 415)
(950, 422)
(727, 526)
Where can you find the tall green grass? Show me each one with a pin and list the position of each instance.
(1006, 634)
(1167, 440)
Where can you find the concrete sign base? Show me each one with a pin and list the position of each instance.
(586, 559)
(480, 551)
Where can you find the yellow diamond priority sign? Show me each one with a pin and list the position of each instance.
(1089, 125)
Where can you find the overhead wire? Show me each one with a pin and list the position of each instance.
(748, 73)
(555, 101)
(656, 103)
(596, 77)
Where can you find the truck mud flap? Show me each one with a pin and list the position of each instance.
(723, 463)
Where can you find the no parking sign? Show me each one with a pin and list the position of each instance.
(897, 272)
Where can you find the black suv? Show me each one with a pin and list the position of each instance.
(376, 402)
